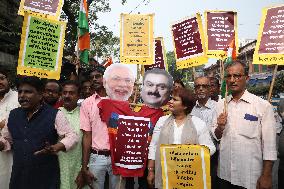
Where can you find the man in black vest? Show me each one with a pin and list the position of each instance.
(33, 132)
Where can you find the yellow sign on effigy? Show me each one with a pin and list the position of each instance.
(50, 9)
(185, 166)
(189, 44)
(137, 39)
(220, 31)
(41, 47)
(269, 47)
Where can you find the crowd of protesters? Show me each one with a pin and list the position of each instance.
(52, 135)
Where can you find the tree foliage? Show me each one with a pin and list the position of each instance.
(184, 74)
(71, 11)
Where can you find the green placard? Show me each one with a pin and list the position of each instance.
(42, 45)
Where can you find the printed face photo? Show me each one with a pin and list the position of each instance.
(119, 83)
(155, 91)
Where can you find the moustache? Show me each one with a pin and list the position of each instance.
(156, 94)
(66, 99)
(23, 100)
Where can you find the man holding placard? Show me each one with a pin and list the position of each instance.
(247, 135)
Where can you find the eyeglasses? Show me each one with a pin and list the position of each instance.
(235, 76)
(200, 85)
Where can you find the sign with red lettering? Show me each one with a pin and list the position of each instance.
(221, 30)
(270, 42)
(189, 42)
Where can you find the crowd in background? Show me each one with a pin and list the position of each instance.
(52, 135)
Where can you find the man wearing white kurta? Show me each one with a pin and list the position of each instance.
(8, 101)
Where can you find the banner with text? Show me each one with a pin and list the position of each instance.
(50, 9)
(270, 41)
(160, 58)
(189, 42)
(185, 166)
(220, 31)
(41, 47)
(129, 135)
(137, 39)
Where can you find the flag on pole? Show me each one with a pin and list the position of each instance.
(231, 55)
(107, 62)
(83, 33)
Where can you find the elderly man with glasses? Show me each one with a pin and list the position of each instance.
(247, 135)
(205, 109)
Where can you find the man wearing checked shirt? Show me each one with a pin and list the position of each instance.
(247, 135)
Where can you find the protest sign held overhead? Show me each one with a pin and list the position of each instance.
(41, 47)
(160, 58)
(189, 42)
(49, 9)
(221, 31)
(137, 39)
(270, 41)
(185, 166)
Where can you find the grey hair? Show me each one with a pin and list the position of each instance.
(200, 77)
(118, 65)
(246, 68)
(160, 72)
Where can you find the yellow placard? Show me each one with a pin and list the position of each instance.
(221, 32)
(41, 48)
(188, 36)
(185, 166)
(269, 47)
(47, 9)
(137, 39)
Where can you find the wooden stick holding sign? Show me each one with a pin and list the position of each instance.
(272, 83)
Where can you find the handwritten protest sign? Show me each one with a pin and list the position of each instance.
(189, 42)
(50, 9)
(221, 30)
(270, 42)
(136, 39)
(185, 166)
(160, 59)
(41, 47)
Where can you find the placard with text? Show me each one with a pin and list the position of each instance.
(220, 31)
(50, 9)
(270, 41)
(137, 39)
(160, 58)
(185, 166)
(41, 49)
(188, 42)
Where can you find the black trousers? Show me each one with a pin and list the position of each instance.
(280, 179)
(213, 170)
(223, 184)
(142, 181)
